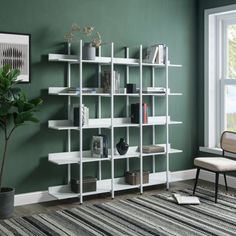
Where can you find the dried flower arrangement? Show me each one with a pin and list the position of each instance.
(88, 31)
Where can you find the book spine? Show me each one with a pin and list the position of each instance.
(145, 113)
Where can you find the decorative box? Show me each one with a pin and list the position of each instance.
(89, 184)
(133, 177)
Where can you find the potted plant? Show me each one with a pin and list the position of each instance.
(15, 110)
(89, 48)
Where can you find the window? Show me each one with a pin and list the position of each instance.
(220, 73)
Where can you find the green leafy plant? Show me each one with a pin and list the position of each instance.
(89, 31)
(15, 108)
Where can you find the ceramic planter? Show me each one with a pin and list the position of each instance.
(89, 52)
(6, 202)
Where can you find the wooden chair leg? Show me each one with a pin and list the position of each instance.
(216, 186)
(196, 180)
(226, 186)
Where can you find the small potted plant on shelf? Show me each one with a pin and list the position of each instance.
(15, 110)
(89, 48)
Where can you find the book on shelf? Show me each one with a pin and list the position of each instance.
(106, 81)
(150, 54)
(183, 199)
(105, 145)
(76, 115)
(154, 90)
(135, 113)
(99, 146)
(155, 54)
(160, 57)
(153, 149)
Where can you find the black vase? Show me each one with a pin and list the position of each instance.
(122, 147)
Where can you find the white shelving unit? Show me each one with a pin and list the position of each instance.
(84, 156)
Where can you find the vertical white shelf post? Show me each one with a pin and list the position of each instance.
(112, 122)
(153, 127)
(127, 106)
(141, 115)
(80, 120)
(69, 112)
(99, 110)
(167, 120)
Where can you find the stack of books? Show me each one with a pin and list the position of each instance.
(153, 149)
(76, 91)
(135, 113)
(85, 115)
(155, 54)
(106, 81)
(160, 90)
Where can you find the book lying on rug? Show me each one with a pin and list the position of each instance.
(186, 199)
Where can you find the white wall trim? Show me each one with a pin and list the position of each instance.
(33, 197)
(210, 177)
(221, 10)
(182, 175)
(44, 196)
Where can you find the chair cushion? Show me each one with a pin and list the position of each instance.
(220, 164)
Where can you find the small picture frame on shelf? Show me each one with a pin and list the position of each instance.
(97, 146)
(15, 51)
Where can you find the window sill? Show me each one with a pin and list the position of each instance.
(216, 151)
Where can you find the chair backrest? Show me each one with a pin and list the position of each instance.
(228, 141)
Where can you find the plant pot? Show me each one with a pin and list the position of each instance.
(89, 52)
(6, 202)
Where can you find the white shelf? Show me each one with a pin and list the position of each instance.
(63, 158)
(156, 178)
(74, 59)
(64, 191)
(61, 125)
(60, 91)
(104, 186)
(175, 94)
(106, 123)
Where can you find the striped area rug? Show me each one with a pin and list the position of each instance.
(144, 215)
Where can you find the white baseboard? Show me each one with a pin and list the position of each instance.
(182, 175)
(44, 196)
(33, 197)
(210, 177)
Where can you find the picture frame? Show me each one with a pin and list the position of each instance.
(97, 146)
(15, 50)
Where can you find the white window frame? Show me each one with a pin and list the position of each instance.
(215, 69)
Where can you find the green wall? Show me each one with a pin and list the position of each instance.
(124, 22)
(202, 5)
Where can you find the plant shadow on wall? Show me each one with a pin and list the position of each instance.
(15, 111)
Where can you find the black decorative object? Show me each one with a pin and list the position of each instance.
(131, 88)
(15, 51)
(122, 147)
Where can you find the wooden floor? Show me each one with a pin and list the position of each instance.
(70, 203)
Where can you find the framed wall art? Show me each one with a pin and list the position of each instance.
(15, 51)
